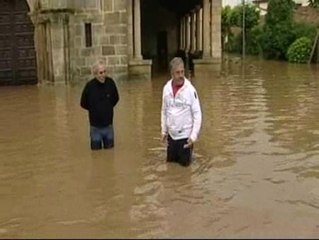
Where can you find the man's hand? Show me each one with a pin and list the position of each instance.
(189, 143)
(164, 138)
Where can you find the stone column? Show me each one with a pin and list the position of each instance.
(181, 33)
(198, 29)
(211, 20)
(206, 30)
(185, 33)
(57, 41)
(216, 8)
(192, 35)
(137, 30)
(138, 67)
(40, 46)
(130, 29)
(67, 50)
(48, 46)
(188, 33)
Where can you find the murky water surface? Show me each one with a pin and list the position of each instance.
(255, 172)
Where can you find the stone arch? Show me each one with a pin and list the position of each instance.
(41, 32)
(31, 4)
(51, 37)
(40, 41)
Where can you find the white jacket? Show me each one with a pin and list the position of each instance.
(181, 116)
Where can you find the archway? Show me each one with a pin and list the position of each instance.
(17, 50)
(161, 29)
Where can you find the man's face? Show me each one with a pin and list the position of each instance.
(178, 73)
(101, 73)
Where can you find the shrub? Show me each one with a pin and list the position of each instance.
(234, 44)
(275, 40)
(252, 45)
(299, 51)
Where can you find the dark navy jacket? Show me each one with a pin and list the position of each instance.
(99, 99)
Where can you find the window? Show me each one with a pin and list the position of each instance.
(88, 34)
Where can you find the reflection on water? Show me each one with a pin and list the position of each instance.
(255, 172)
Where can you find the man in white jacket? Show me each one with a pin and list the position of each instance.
(181, 115)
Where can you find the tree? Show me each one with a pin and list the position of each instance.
(252, 16)
(314, 3)
(277, 32)
(226, 24)
(279, 11)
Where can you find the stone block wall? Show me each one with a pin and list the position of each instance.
(108, 20)
(69, 57)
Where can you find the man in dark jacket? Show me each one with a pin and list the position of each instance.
(99, 97)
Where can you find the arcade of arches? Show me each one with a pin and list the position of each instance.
(57, 41)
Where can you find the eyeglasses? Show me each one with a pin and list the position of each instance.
(102, 72)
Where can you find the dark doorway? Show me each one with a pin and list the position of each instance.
(162, 50)
(18, 58)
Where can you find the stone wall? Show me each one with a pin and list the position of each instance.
(307, 14)
(62, 24)
(109, 37)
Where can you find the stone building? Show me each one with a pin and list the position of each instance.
(57, 41)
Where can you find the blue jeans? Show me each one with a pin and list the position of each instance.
(99, 136)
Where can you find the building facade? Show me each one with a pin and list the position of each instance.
(57, 41)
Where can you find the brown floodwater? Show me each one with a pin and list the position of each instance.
(255, 171)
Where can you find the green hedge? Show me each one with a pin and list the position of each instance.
(299, 51)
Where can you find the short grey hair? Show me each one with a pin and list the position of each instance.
(176, 61)
(97, 65)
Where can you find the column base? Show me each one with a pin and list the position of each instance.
(140, 69)
(207, 66)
